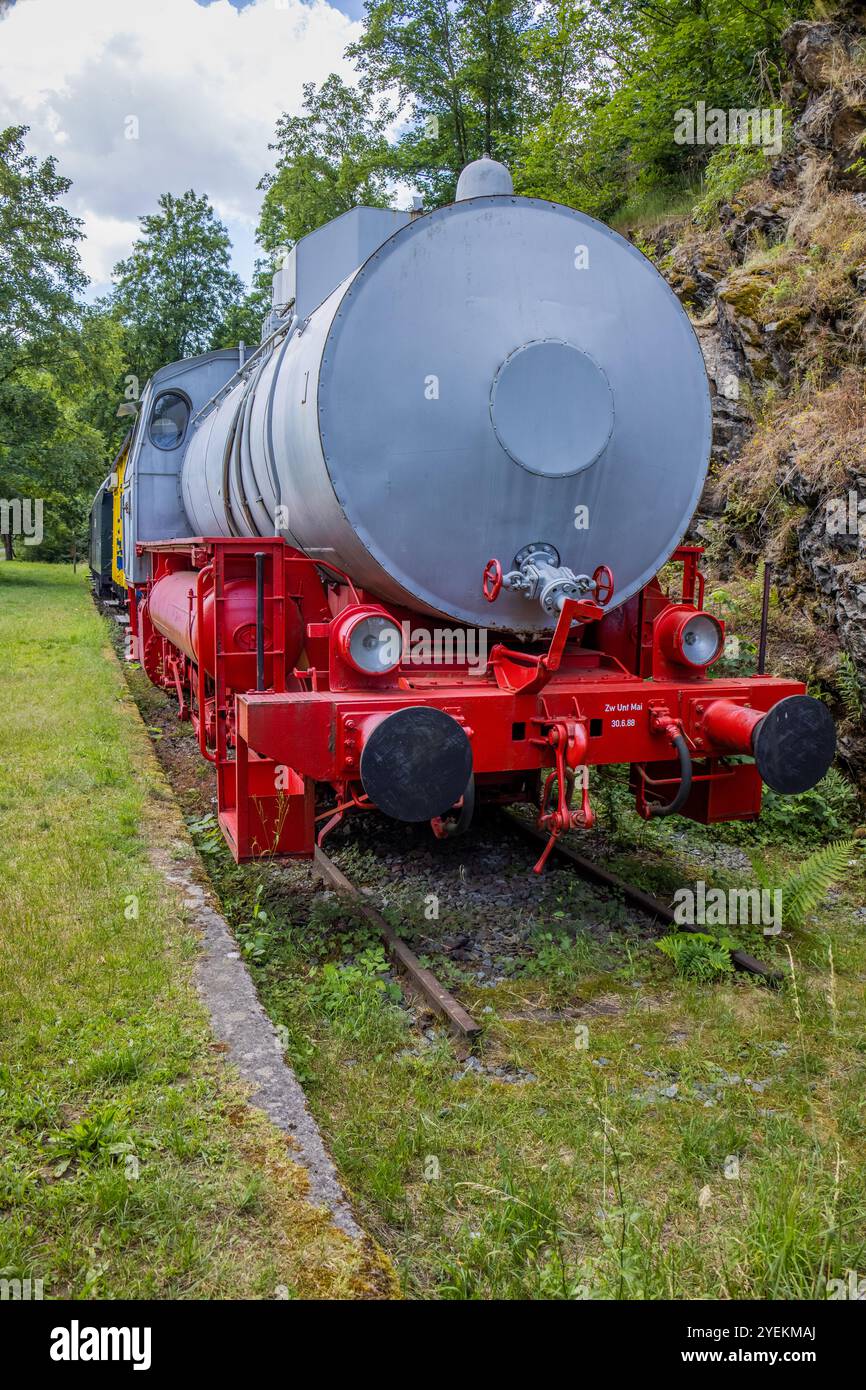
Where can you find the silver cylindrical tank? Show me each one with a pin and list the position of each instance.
(499, 372)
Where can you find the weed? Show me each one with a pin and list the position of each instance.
(333, 924)
(849, 686)
(117, 1064)
(698, 956)
(207, 835)
(517, 1249)
(727, 170)
(102, 1135)
(707, 1140)
(358, 998)
(562, 961)
(36, 1110)
(255, 936)
(828, 809)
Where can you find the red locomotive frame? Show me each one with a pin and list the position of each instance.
(606, 689)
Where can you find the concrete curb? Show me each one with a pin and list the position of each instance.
(237, 1017)
(239, 1021)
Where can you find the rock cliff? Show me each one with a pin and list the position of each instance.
(774, 278)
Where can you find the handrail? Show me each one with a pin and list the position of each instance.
(207, 570)
(244, 368)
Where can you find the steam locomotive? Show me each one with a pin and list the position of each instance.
(407, 550)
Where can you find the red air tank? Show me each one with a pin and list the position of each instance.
(172, 609)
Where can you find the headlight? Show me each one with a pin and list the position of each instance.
(699, 640)
(372, 643)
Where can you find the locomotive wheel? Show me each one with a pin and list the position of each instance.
(416, 764)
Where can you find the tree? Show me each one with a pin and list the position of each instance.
(244, 319)
(578, 59)
(332, 158)
(40, 276)
(175, 289)
(459, 66)
(40, 271)
(57, 428)
(579, 98)
(614, 73)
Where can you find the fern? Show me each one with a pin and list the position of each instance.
(840, 797)
(696, 956)
(809, 883)
(849, 686)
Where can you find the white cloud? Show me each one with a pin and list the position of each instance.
(108, 241)
(205, 84)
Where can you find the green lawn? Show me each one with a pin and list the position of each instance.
(630, 1134)
(129, 1164)
(624, 1132)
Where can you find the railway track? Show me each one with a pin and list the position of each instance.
(424, 982)
(593, 873)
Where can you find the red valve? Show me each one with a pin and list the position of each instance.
(491, 582)
(603, 579)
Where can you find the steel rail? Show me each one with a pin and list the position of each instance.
(459, 1021)
(651, 906)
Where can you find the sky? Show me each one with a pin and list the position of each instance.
(141, 97)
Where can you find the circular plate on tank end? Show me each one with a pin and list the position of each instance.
(552, 408)
(794, 744)
(416, 764)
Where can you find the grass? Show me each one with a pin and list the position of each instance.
(586, 1179)
(650, 208)
(624, 1132)
(130, 1165)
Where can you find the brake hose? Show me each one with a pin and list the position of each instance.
(671, 808)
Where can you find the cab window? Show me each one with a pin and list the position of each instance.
(169, 419)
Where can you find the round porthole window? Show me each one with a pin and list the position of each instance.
(168, 420)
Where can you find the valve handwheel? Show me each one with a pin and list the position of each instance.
(491, 582)
(602, 577)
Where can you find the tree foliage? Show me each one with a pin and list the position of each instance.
(578, 96)
(458, 68)
(57, 427)
(243, 319)
(614, 73)
(64, 365)
(176, 288)
(40, 271)
(331, 158)
(52, 353)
